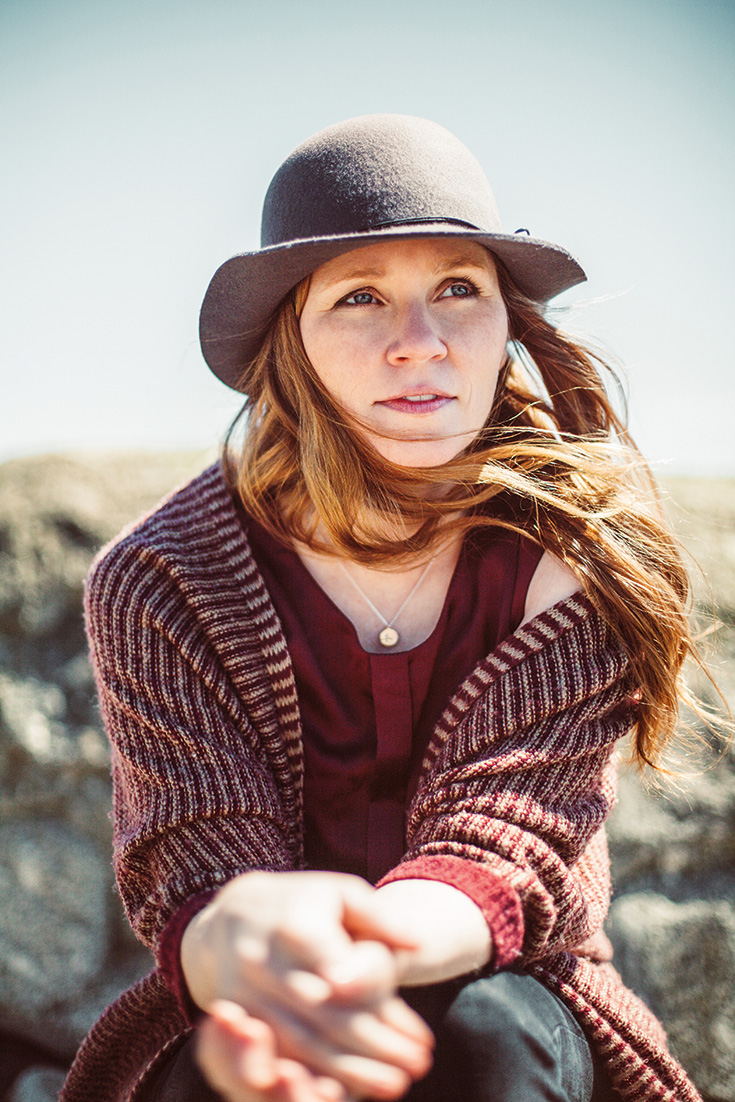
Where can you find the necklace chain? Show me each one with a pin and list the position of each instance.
(388, 637)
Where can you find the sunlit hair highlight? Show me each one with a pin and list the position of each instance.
(554, 460)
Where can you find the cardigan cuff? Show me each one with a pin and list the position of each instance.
(498, 901)
(169, 953)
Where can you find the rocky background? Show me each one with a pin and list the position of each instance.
(65, 950)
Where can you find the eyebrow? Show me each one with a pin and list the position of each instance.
(462, 260)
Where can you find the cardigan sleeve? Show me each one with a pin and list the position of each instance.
(520, 775)
(195, 794)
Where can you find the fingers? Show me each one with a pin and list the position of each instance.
(333, 916)
(329, 924)
(399, 1015)
(365, 918)
(236, 1052)
(369, 1079)
(237, 1055)
(363, 972)
(373, 1043)
(360, 1039)
(311, 1025)
(311, 933)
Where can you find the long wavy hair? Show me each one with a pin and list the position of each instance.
(553, 460)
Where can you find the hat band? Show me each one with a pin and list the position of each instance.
(422, 222)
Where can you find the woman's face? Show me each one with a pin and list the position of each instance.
(409, 336)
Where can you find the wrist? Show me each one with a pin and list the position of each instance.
(206, 943)
(197, 958)
(451, 933)
(168, 954)
(499, 902)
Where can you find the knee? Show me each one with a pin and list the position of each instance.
(512, 1038)
(501, 1014)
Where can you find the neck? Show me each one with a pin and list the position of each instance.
(404, 596)
(371, 528)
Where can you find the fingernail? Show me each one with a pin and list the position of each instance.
(344, 972)
(313, 989)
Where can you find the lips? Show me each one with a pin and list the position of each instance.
(424, 402)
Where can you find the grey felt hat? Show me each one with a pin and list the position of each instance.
(374, 178)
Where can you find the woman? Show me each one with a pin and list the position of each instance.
(364, 680)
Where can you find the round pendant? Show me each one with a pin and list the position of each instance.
(389, 637)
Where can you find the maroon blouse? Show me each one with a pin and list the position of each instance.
(367, 718)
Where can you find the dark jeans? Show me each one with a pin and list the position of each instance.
(501, 1038)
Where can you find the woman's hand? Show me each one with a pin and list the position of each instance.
(312, 957)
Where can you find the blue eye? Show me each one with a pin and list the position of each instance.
(360, 298)
(461, 289)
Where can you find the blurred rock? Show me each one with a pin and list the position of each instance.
(702, 510)
(55, 920)
(65, 948)
(682, 956)
(672, 841)
(675, 831)
(37, 1085)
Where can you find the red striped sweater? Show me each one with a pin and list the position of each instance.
(198, 698)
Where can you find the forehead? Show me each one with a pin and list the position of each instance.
(435, 255)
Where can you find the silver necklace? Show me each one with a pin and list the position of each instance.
(388, 637)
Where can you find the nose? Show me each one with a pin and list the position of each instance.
(415, 338)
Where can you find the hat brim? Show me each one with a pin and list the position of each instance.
(245, 291)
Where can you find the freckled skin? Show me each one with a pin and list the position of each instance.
(421, 319)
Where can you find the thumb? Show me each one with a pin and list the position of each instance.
(367, 973)
(367, 917)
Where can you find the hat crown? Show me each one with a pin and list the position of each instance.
(375, 171)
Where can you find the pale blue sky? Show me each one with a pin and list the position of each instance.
(139, 139)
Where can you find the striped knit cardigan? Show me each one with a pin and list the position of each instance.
(199, 701)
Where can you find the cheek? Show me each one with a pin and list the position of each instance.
(486, 335)
(319, 349)
(488, 355)
(335, 359)
(309, 338)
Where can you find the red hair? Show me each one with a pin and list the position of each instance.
(554, 460)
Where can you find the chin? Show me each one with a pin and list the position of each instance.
(420, 453)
